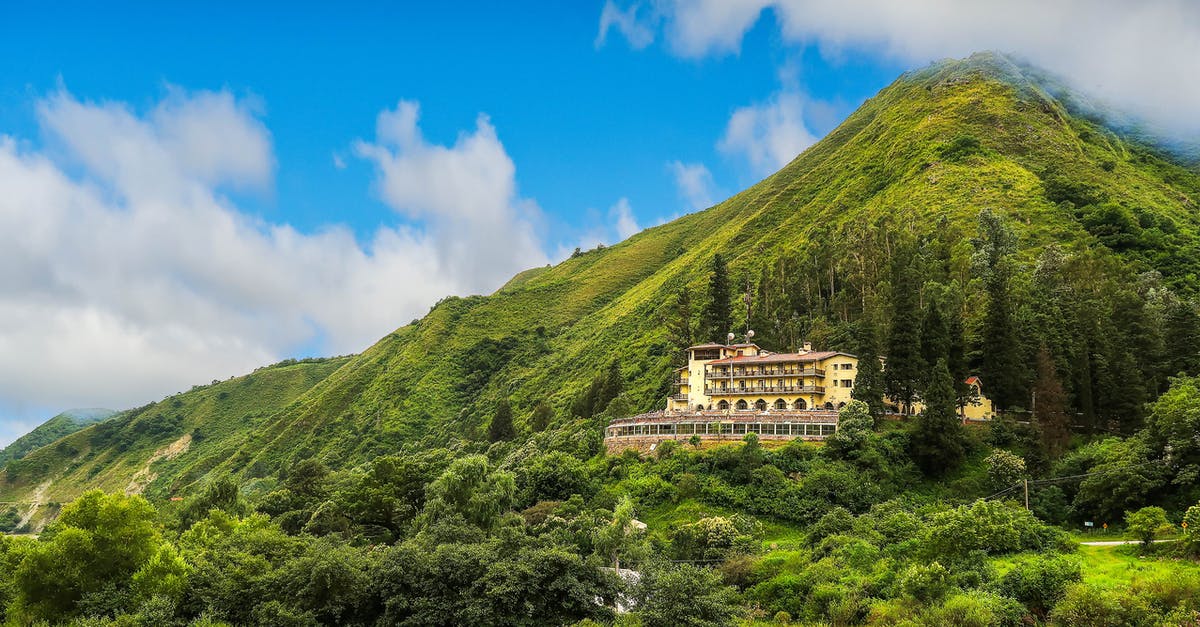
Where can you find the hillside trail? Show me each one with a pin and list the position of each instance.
(143, 477)
(35, 501)
(1120, 542)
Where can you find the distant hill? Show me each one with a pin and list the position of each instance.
(57, 427)
(812, 243)
(162, 448)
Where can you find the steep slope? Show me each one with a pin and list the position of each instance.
(163, 447)
(924, 156)
(919, 160)
(57, 427)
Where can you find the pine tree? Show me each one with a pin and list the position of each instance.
(868, 381)
(905, 368)
(935, 336)
(540, 419)
(957, 360)
(1050, 417)
(937, 440)
(1002, 367)
(716, 318)
(501, 427)
(680, 328)
(1182, 339)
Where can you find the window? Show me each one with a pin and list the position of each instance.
(723, 405)
(846, 383)
(780, 403)
(741, 404)
(800, 404)
(847, 366)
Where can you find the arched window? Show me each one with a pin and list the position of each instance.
(741, 404)
(800, 404)
(699, 407)
(760, 405)
(780, 403)
(723, 405)
(828, 405)
(841, 405)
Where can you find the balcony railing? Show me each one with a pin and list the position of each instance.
(745, 374)
(679, 397)
(766, 389)
(679, 382)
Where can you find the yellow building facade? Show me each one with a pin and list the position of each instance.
(744, 377)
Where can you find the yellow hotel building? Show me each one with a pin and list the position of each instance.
(746, 377)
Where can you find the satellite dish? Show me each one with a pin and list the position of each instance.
(729, 337)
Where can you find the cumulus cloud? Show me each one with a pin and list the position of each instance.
(466, 194)
(1139, 56)
(127, 273)
(626, 21)
(694, 183)
(770, 134)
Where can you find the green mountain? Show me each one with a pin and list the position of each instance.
(57, 427)
(162, 448)
(814, 246)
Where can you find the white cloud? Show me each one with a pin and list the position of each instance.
(636, 31)
(466, 194)
(770, 134)
(125, 273)
(694, 183)
(1140, 56)
(624, 223)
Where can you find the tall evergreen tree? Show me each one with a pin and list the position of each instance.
(1182, 334)
(905, 369)
(868, 381)
(935, 336)
(957, 361)
(501, 427)
(680, 328)
(1002, 367)
(938, 443)
(716, 318)
(1050, 417)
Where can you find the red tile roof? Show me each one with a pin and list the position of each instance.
(778, 358)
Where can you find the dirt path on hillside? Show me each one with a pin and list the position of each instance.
(35, 501)
(145, 476)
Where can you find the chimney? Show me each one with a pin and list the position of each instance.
(807, 347)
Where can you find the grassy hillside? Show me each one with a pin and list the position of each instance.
(161, 448)
(57, 427)
(920, 159)
(926, 153)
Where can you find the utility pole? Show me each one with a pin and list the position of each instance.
(1026, 493)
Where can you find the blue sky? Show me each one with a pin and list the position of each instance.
(584, 125)
(188, 191)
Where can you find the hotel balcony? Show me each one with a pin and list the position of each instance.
(749, 374)
(769, 389)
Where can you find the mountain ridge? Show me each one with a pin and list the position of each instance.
(917, 161)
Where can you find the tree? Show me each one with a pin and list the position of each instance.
(541, 417)
(1004, 469)
(1001, 367)
(1146, 523)
(222, 494)
(935, 336)
(1050, 417)
(1182, 339)
(96, 546)
(1191, 533)
(1172, 426)
(905, 369)
(868, 380)
(680, 327)
(685, 595)
(854, 427)
(469, 490)
(622, 537)
(716, 317)
(937, 440)
(501, 428)
(307, 479)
